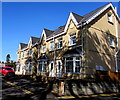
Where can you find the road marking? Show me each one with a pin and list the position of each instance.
(71, 97)
(24, 90)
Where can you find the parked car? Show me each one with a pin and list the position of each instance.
(7, 71)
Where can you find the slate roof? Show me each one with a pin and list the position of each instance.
(23, 45)
(35, 39)
(78, 18)
(57, 31)
(48, 32)
(92, 13)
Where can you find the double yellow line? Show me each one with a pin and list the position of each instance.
(24, 90)
(71, 97)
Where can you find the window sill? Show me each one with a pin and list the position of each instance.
(111, 22)
(112, 46)
(51, 50)
(42, 72)
(72, 72)
(59, 48)
(72, 45)
(43, 52)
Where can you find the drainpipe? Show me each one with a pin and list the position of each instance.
(116, 54)
(54, 55)
(80, 26)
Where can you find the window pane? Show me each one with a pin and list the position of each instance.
(77, 67)
(30, 67)
(69, 66)
(40, 66)
(51, 66)
(77, 58)
(69, 58)
(73, 40)
(111, 42)
(52, 46)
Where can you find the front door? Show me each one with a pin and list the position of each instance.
(51, 69)
(59, 68)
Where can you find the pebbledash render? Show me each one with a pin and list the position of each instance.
(76, 50)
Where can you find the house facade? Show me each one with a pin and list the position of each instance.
(79, 48)
(25, 56)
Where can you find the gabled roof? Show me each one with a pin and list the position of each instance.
(79, 20)
(87, 16)
(34, 40)
(48, 32)
(23, 45)
(57, 31)
(77, 17)
(92, 15)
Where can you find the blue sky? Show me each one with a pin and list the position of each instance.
(21, 20)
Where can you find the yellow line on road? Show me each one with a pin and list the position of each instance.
(24, 90)
(71, 97)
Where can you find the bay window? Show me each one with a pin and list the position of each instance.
(42, 66)
(72, 64)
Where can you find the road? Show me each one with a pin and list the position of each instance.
(22, 88)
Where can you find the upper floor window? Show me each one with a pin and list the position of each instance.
(30, 52)
(19, 55)
(110, 18)
(26, 54)
(72, 39)
(52, 46)
(112, 44)
(44, 48)
(22, 54)
(59, 45)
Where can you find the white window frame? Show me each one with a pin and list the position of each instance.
(59, 73)
(52, 46)
(44, 48)
(112, 43)
(110, 17)
(71, 37)
(29, 65)
(44, 64)
(51, 73)
(30, 52)
(22, 54)
(74, 64)
(59, 43)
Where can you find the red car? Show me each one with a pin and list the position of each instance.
(7, 71)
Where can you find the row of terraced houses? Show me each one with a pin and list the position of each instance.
(76, 50)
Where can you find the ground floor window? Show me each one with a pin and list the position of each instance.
(59, 68)
(18, 68)
(42, 66)
(72, 64)
(29, 65)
